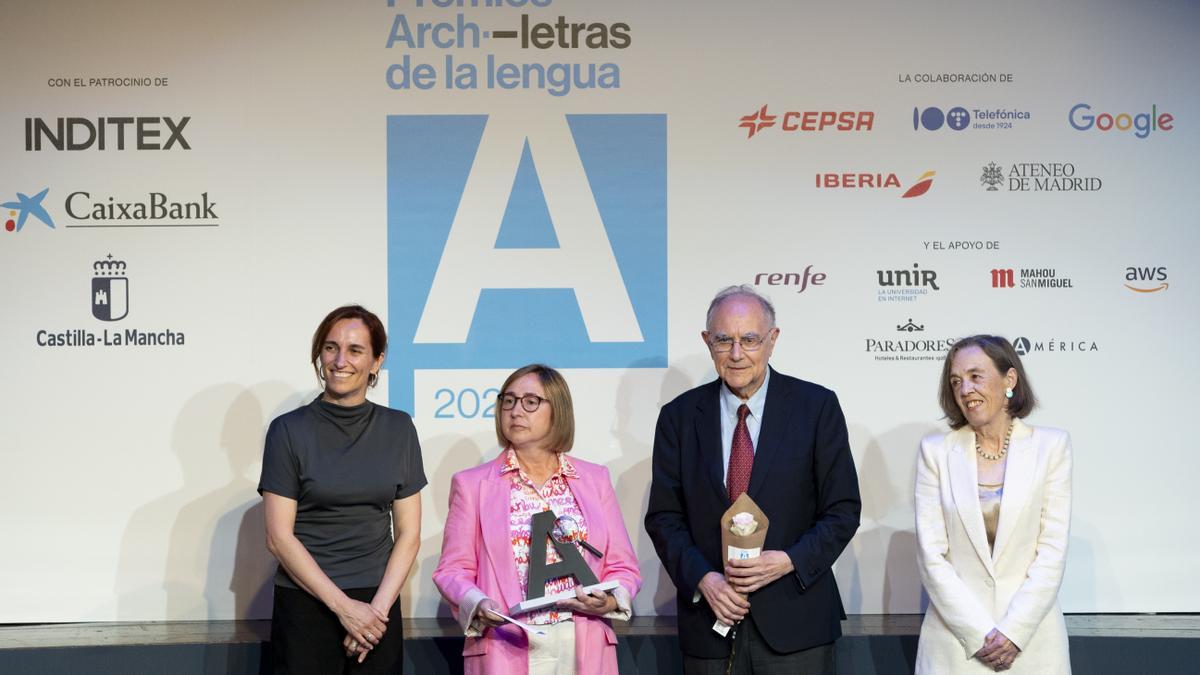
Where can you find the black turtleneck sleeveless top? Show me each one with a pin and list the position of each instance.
(344, 465)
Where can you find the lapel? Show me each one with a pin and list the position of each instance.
(1018, 482)
(708, 433)
(587, 499)
(776, 415)
(493, 518)
(964, 484)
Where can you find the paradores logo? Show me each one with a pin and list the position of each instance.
(23, 207)
(515, 239)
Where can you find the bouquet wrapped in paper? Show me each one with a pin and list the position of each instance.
(743, 532)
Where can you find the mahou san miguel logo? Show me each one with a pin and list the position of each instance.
(807, 120)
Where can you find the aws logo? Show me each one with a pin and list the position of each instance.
(531, 237)
(1142, 279)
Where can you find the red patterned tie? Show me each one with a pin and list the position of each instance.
(741, 457)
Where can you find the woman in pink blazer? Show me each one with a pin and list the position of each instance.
(486, 542)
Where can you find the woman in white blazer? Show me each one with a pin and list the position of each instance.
(993, 507)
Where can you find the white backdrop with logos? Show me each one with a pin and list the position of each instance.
(220, 175)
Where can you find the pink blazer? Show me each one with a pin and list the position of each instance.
(477, 561)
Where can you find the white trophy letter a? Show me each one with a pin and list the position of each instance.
(583, 261)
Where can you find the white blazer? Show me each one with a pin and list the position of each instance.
(1013, 587)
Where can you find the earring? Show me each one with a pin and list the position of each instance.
(1008, 392)
(373, 379)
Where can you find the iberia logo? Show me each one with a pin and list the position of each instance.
(921, 186)
(24, 207)
(873, 180)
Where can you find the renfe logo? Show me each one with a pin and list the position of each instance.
(527, 238)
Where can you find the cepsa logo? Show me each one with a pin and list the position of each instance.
(808, 120)
(855, 181)
(1082, 118)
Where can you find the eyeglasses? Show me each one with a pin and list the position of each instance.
(530, 402)
(749, 343)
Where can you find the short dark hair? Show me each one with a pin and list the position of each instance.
(374, 328)
(1004, 357)
(562, 413)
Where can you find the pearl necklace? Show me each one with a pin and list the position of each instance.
(1003, 450)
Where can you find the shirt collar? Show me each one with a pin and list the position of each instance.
(565, 467)
(730, 402)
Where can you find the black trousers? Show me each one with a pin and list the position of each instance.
(306, 637)
(753, 656)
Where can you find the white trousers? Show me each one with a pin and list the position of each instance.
(554, 652)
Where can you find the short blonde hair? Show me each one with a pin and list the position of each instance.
(562, 413)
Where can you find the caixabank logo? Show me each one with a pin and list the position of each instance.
(24, 206)
(525, 239)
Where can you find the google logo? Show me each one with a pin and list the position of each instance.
(1082, 119)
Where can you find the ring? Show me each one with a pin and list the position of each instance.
(370, 636)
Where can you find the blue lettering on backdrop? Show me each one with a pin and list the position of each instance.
(511, 241)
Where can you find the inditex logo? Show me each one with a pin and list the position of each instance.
(23, 207)
(105, 133)
(807, 120)
(1143, 279)
(1081, 118)
(861, 180)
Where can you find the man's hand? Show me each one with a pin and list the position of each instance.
(747, 576)
(726, 603)
(997, 651)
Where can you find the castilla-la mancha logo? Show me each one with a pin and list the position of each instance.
(110, 289)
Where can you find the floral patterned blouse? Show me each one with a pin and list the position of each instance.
(524, 501)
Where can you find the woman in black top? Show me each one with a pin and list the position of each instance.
(339, 476)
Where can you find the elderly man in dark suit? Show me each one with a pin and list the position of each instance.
(783, 441)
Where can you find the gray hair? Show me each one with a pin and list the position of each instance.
(742, 291)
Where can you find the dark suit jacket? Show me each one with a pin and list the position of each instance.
(804, 481)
